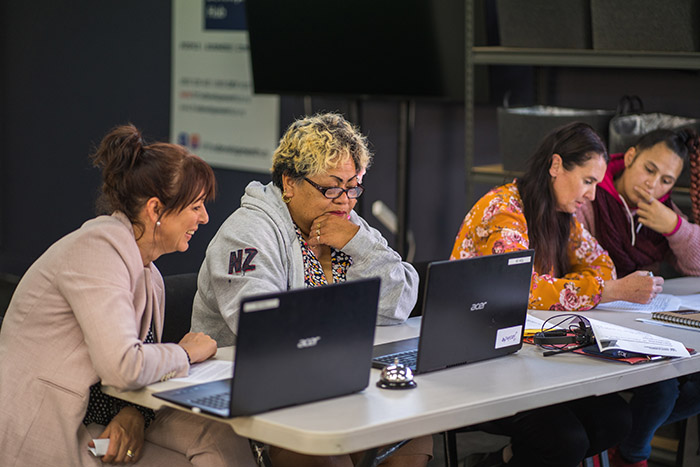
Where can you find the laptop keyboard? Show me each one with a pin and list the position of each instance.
(407, 358)
(215, 401)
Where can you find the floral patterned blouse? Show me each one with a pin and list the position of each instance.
(313, 271)
(496, 224)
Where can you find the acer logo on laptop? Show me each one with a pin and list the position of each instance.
(478, 306)
(308, 342)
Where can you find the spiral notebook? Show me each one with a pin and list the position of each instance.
(684, 317)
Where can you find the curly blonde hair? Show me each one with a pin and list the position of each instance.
(313, 145)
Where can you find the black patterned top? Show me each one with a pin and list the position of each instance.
(313, 271)
(102, 408)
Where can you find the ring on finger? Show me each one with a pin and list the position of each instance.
(129, 453)
(318, 238)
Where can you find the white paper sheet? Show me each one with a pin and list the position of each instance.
(682, 285)
(101, 446)
(532, 322)
(667, 324)
(210, 370)
(692, 302)
(611, 336)
(662, 302)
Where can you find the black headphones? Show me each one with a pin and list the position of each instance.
(563, 337)
(577, 334)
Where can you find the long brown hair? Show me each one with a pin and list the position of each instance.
(133, 172)
(547, 227)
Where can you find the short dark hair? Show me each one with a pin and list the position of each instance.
(685, 143)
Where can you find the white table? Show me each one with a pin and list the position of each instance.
(451, 398)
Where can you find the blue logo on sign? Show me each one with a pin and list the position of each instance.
(224, 14)
(189, 140)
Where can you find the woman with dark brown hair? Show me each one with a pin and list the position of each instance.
(89, 311)
(571, 272)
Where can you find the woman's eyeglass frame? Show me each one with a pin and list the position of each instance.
(353, 192)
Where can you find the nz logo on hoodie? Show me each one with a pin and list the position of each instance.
(238, 264)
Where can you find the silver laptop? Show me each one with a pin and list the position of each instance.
(473, 309)
(293, 347)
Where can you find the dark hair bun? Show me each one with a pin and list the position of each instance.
(133, 172)
(692, 142)
(119, 150)
(690, 139)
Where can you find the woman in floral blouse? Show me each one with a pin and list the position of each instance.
(572, 271)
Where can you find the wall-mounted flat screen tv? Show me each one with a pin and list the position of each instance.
(401, 48)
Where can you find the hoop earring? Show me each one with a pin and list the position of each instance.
(286, 198)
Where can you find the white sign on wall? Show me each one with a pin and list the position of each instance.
(213, 110)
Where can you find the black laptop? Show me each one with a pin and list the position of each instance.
(473, 309)
(293, 347)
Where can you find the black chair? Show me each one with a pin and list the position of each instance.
(179, 296)
(452, 458)
(688, 452)
(421, 268)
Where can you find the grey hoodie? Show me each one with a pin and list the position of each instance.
(256, 251)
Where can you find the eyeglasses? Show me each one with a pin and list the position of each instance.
(335, 192)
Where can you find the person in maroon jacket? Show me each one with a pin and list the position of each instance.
(635, 220)
(633, 216)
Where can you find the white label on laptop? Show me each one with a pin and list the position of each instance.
(521, 260)
(269, 304)
(508, 336)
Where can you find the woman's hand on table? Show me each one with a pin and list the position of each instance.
(198, 346)
(637, 287)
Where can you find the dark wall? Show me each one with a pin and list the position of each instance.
(72, 71)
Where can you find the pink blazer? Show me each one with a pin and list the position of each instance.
(79, 315)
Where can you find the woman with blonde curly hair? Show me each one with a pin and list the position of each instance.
(298, 231)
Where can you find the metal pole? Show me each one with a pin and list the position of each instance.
(469, 101)
(403, 174)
